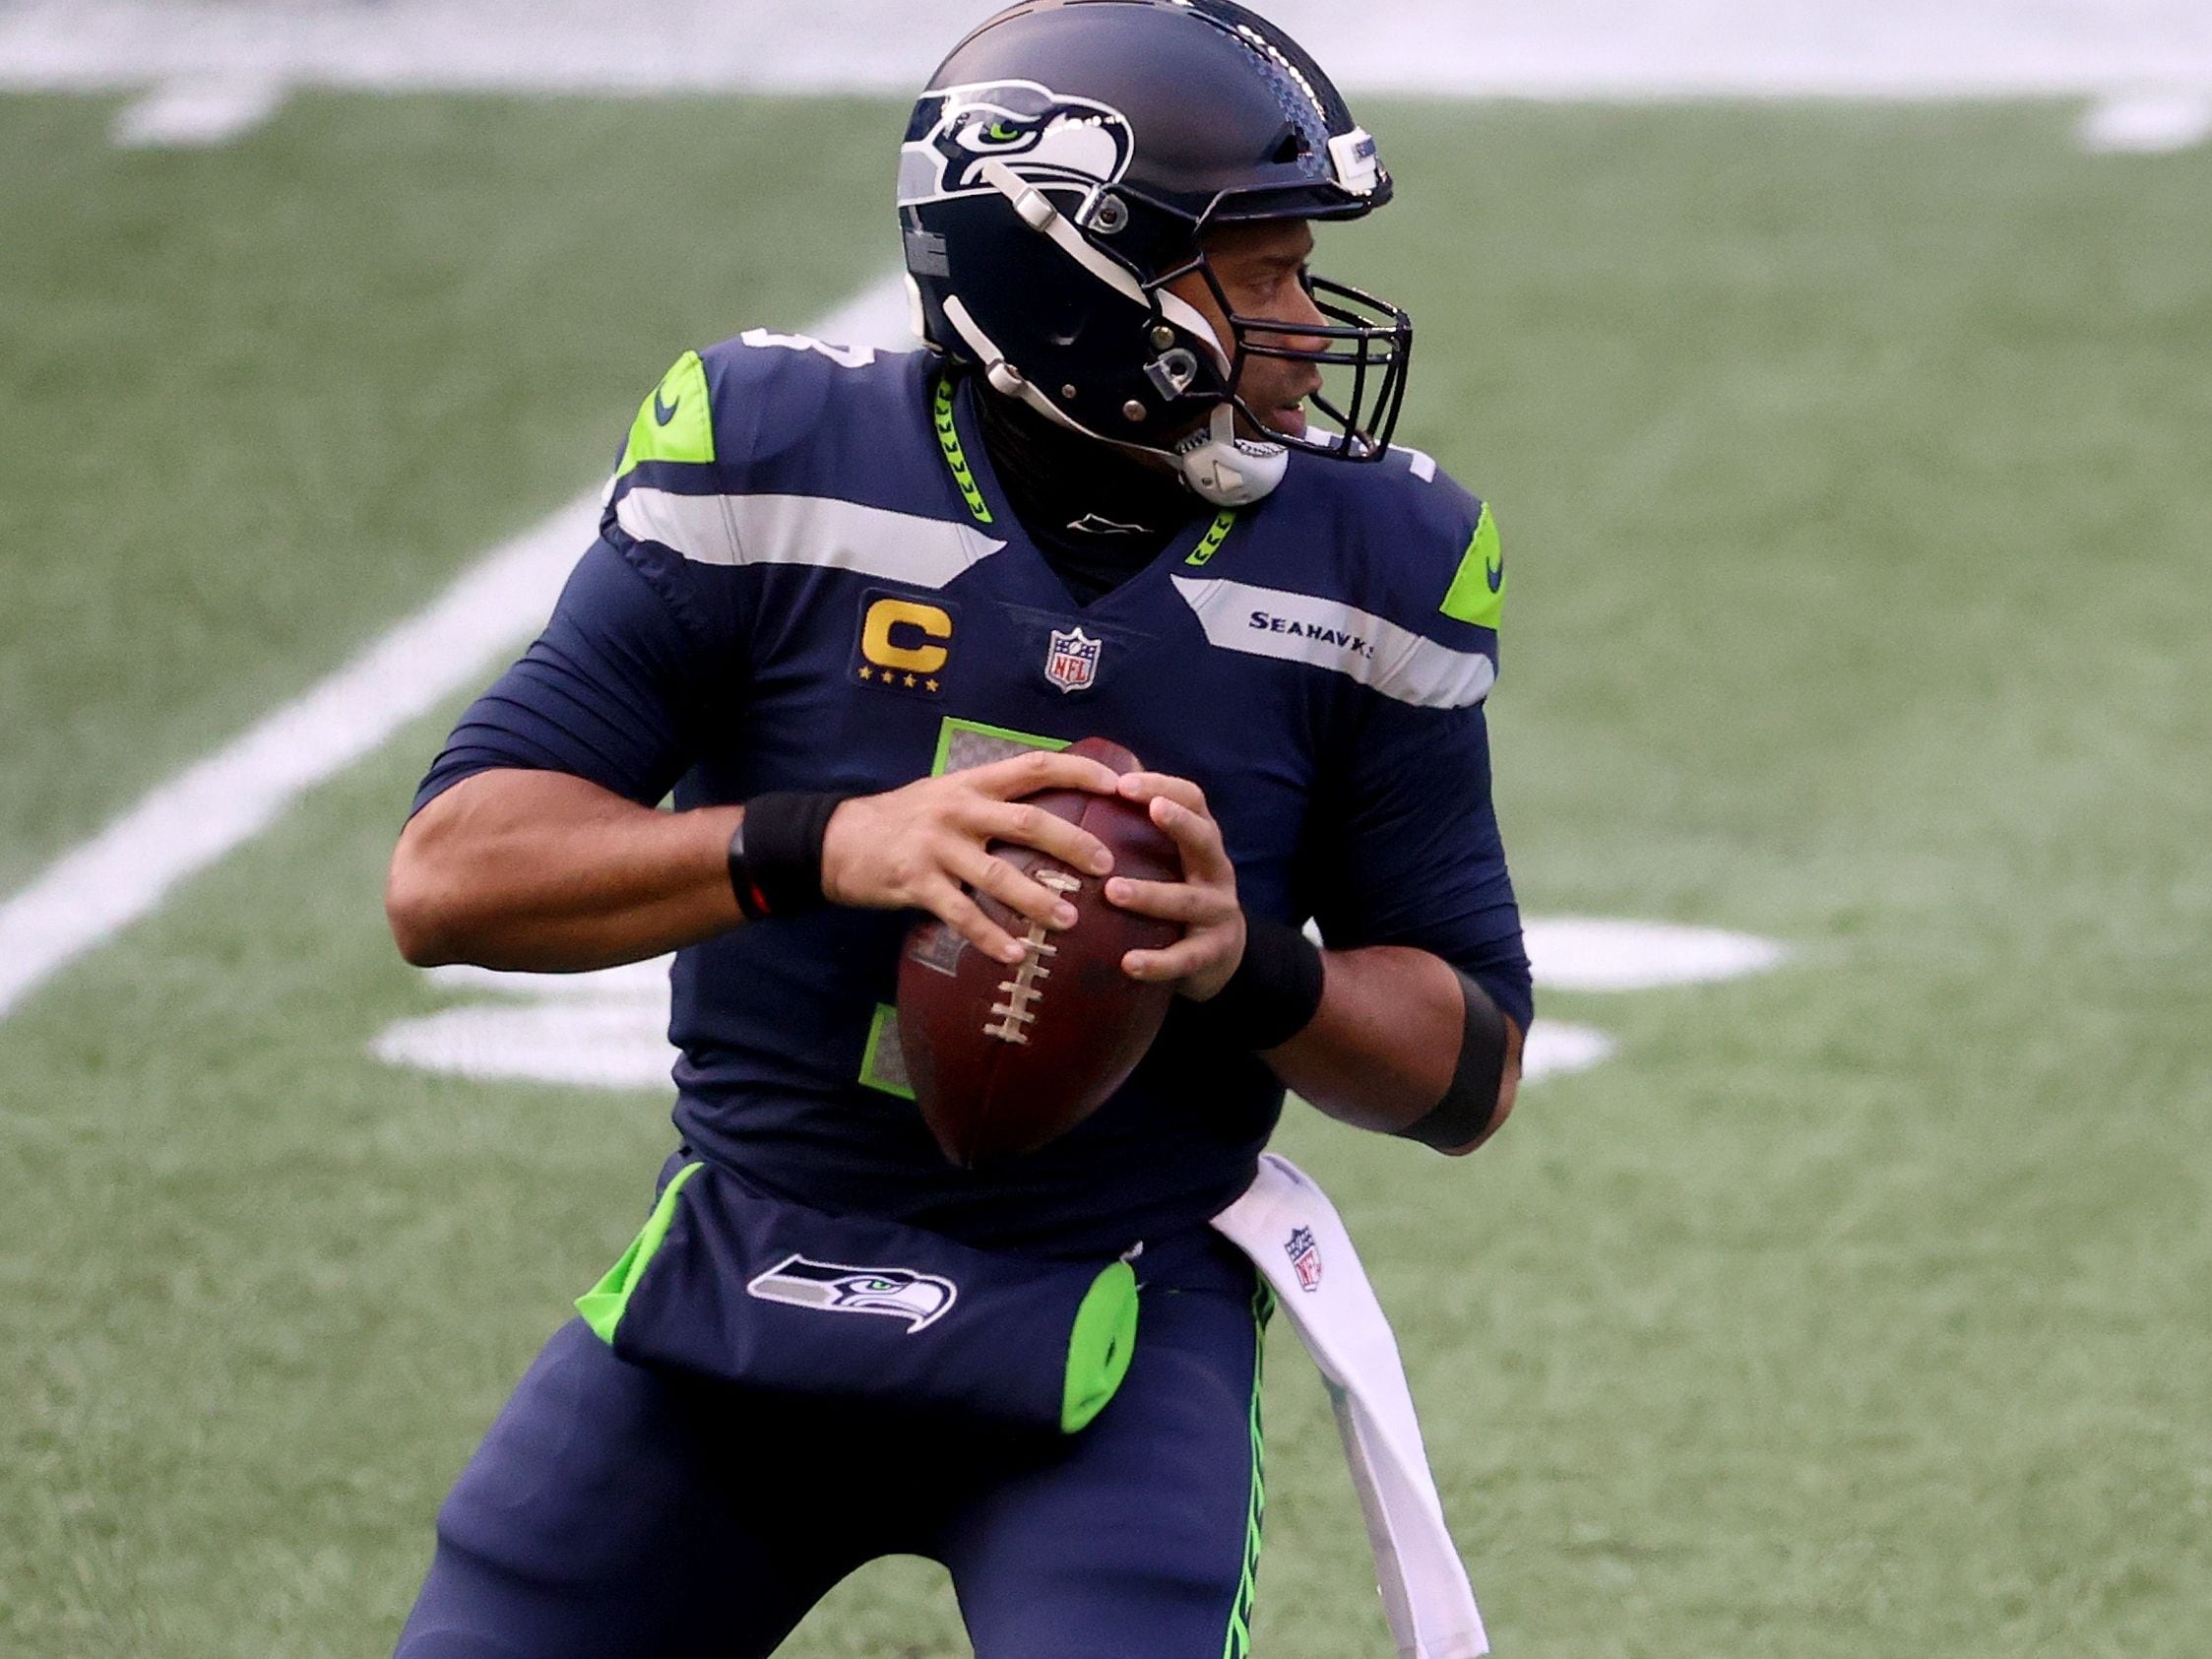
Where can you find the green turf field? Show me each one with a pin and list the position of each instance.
(1853, 466)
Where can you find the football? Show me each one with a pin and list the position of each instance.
(1004, 1058)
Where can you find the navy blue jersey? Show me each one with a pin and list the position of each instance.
(807, 578)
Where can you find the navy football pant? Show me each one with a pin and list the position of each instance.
(615, 1510)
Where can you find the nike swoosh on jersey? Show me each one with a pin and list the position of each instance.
(663, 412)
(1494, 574)
(1098, 523)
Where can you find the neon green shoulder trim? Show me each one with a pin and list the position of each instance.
(1478, 591)
(1216, 535)
(677, 422)
(603, 1305)
(1100, 1346)
(956, 458)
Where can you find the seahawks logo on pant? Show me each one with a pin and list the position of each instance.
(836, 1287)
(1046, 138)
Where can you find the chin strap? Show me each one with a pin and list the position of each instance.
(1225, 469)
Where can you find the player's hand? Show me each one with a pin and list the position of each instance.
(914, 848)
(1204, 901)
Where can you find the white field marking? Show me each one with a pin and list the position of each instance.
(1578, 953)
(2146, 123)
(632, 981)
(197, 112)
(618, 1044)
(186, 824)
(1558, 1049)
(609, 1028)
(1569, 48)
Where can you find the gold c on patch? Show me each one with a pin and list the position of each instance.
(905, 643)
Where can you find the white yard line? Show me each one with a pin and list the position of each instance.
(219, 804)
(1568, 48)
(197, 112)
(2146, 123)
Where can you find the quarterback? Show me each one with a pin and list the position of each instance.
(848, 609)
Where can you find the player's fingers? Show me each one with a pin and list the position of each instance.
(1144, 785)
(965, 917)
(1010, 887)
(1196, 836)
(1040, 769)
(1178, 962)
(1033, 826)
(1171, 901)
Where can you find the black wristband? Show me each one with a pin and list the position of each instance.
(1275, 991)
(1469, 1104)
(776, 853)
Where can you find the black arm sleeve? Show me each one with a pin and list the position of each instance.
(609, 692)
(1469, 1103)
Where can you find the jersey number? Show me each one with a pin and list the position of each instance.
(845, 357)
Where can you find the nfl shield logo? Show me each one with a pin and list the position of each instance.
(1306, 1257)
(1073, 662)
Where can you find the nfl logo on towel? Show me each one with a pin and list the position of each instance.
(1306, 1257)
(1073, 662)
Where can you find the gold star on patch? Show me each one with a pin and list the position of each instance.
(912, 683)
(931, 684)
(867, 673)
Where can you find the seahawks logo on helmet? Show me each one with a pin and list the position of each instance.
(836, 1287)
(1072, 143)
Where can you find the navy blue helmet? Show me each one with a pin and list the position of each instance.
(1061, 169)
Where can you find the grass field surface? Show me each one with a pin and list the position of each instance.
(1851, 463)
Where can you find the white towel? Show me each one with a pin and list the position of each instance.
(1292, 1232)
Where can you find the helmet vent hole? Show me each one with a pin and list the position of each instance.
(1289, 147)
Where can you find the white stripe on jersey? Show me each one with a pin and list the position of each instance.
(1302, 628)
(732, 530)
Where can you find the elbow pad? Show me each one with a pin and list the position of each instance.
(1469, 1103)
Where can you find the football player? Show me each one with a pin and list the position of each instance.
(848, 608)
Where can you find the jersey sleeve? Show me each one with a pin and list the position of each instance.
(609, 692)
(1407, 850)
(1412, 856)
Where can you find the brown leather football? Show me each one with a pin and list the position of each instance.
(1004, 1059)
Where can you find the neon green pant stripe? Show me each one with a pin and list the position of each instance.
(1238, 1643)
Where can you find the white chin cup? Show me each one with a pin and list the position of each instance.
(1225, 470)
